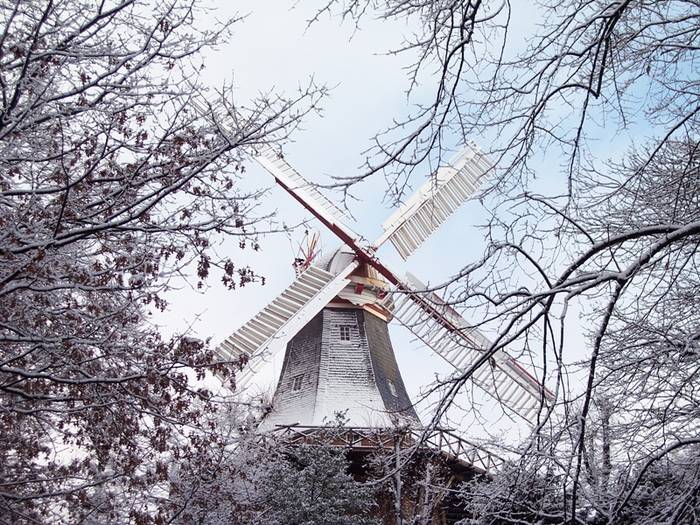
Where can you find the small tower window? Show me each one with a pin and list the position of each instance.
(392, 388)
(345, 332)
(296, 382)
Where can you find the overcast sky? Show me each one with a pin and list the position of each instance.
(273, 49)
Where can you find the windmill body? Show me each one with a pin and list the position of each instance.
(327, 375)
(341, 364)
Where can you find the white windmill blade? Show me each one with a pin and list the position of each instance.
(270, 330)
(447, 333)
(286, 176)
(435, 201)
(294, 183)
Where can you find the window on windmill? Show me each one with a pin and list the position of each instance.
(345, 332)
(392, 388)
(297, 381)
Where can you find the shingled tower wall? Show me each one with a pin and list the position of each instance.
(342, 361)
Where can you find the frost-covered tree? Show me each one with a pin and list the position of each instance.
(638, 413)
(269, 481)
(591, 111)
(110, 184)
(310, 485)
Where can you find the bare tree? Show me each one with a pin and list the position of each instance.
(616, 239)
(579, 63)
(110, 184)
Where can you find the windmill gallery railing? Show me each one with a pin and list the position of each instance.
(440, 441)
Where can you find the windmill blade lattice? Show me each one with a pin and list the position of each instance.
(289, 178)
(447, 333)
(270, 330)
(435, 201)
(305, 192)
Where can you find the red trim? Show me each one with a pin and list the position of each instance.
(362, 254)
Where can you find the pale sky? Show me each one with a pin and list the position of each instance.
(273, 49)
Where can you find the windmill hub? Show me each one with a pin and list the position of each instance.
(366, 289)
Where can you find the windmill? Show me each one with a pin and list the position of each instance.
(332, 320)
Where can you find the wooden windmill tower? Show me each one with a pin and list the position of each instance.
(332, 320)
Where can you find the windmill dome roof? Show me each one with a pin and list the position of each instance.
(336, 260)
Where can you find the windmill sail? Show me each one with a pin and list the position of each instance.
(434, 202)
(305, 192)
(258, 339)
(295, 183)
(446, 332)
